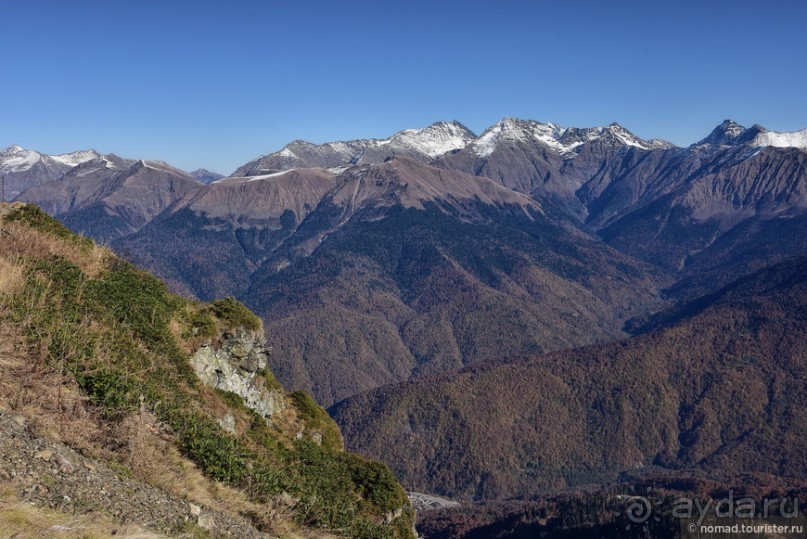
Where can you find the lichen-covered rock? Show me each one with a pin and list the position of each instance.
(228, 423)
(235, 366)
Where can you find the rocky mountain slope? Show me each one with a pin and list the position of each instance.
(110, 197)
(105, 378)
(58, 481)
(715, 206)
(547, 161)
(718, 388)
(689, 210)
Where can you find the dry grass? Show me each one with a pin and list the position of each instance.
(57, 409)
(22, 241)
(51, 400)
(22, 520)
(12, 275)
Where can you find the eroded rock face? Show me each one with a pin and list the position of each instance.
(234, 366)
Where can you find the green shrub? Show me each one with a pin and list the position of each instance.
(199, 324)
(375, 482)
(269, 379)
(232, 399)
(218, 454)
(234, 314)
(111, 389)
(317, 419)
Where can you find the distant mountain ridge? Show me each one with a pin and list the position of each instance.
(396, 248)
(419, 144)
(206, 176)
(435, 141)
(21, 168)
(730, 133)
(108, 197)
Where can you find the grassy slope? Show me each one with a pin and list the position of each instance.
(124, 341)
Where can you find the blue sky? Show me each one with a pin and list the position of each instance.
(215, 84)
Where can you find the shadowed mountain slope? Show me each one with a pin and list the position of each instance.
(109, 198)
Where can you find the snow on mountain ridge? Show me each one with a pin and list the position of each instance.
(17, 159)
(563, 140)
(788, 139)
(76, 158)
(435, 140)
(730, 133)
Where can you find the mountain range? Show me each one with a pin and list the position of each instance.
(534, 308)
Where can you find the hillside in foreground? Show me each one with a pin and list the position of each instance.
(125, 408)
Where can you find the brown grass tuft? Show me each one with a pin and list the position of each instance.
(23, 241)
(12, 275)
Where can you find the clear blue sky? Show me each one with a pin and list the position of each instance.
(215, 84)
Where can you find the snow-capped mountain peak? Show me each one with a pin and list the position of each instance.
(17, 159)
(727, 133)
(730, 133)
(515, 130)
(22, 168)
(422, 144)
(791, 139)
(562, 140)
(76, 158)
(435, 140)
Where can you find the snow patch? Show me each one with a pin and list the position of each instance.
(561, 140)
(792, 139)
(265, 176)
(18, 159)
(76, 158)
(273, 175)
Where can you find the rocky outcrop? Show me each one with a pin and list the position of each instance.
(237, 365)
